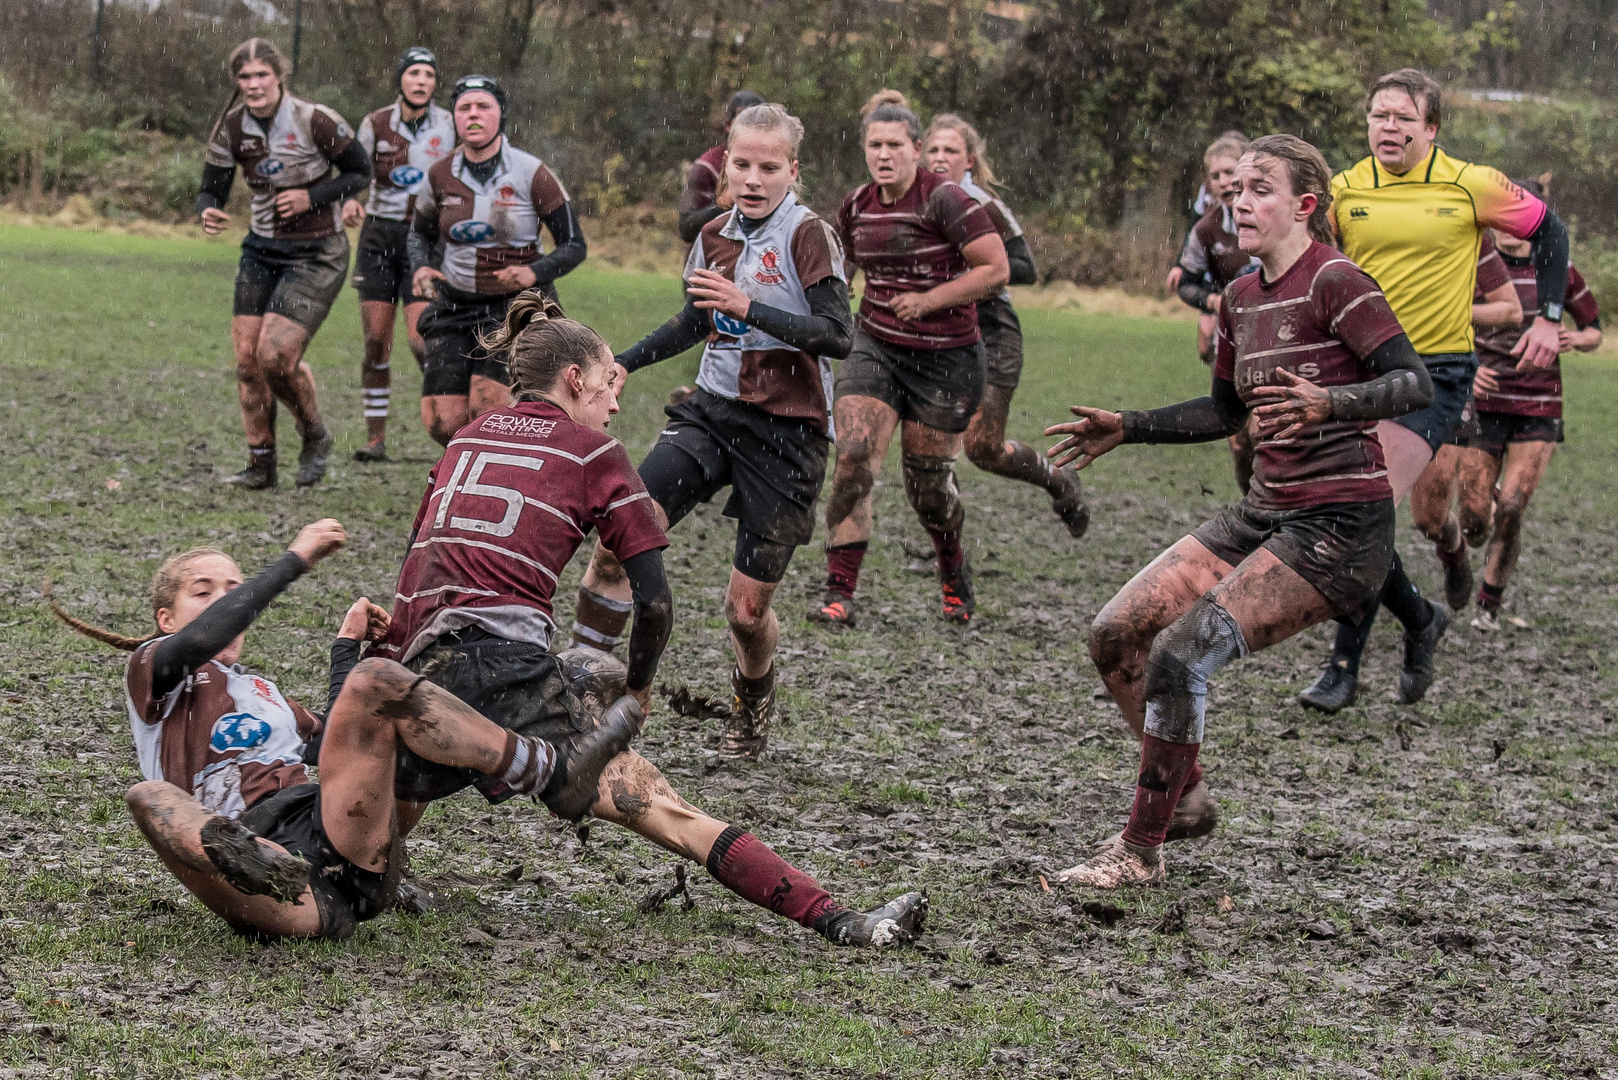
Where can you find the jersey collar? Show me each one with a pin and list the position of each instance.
(733, 227)
(1410, 176)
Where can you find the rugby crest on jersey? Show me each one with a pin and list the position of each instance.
(769, 267)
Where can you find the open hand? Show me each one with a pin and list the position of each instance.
(365, 621)
(1096, 432)
(213, 220)
(1291, 404)
(292, 202)
(317, 540)
(715, 292)
(1538, 346)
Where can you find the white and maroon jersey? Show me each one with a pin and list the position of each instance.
(225, 736)
(487, 227)
(401, 155)
(1005, 222)
(295, 150)
(1536, 391)
(794, 250)
(515, 494)
(1319, 320)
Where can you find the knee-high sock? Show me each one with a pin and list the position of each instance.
(745, 865)
(843, 567)
(1164, 769)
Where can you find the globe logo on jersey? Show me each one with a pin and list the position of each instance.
(728, 326)
(769, 268)
(406, 176)
(471, 232)
(238, 731)
(269, 167)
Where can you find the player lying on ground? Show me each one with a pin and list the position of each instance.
(1518, 412)
(228, 803)
(1310, 347)
(295, 252)
(956, 150)
(516, 493)
(928, 252)
(766, 289)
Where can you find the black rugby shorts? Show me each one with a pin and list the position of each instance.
(296, 279)
(939, 388)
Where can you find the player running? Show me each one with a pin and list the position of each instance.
(766, 290)
(486, 203)
(700, 198)
(514, 496)
(1309, 346)
(404, 140)
(295, 253)
(1212, 259)
(1519, 421)
(956, 150)
(227, 801)
(1412, 217)
(928, 252)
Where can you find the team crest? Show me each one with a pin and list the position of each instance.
(769, 267)
(471, 232)
(269, 167)
(239, 731)
(1287, 330)
(507, 191)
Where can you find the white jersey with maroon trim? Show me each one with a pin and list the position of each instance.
(774, 264)
(400, 156)
(515, 494)
(296, 150)
(1005, 222)
(488, 226)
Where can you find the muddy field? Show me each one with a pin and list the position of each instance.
(1396, 891)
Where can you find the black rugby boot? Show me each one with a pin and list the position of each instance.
(251, 867)
(1068, 502)
(1457, 576)
(580, 759)
(1420, 645)
(259, 474)
(1335, 690)
(376, 450)
(901, 919)
(312, 459)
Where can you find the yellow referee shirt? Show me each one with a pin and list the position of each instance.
(1418, 235)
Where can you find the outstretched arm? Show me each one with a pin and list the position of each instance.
(1098, 431)
(686, 328)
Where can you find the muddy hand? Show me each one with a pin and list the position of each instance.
(292, 202)
(1538, 345)
(424, 281)
(365, 621)
(318, 540)
(1291, 406)
(911, 306)
(715, 292)
(1097, 432)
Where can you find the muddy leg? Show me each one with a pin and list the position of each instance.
(1524, 467)
(1477, 472)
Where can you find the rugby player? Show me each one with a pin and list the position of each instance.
(1310, 346)
(928, 252)
(516, 493)
(1212, 259)
(767, 291)
(227, 801)
(1519, 421)
(956, 150)
(295, 253)
(1412, 217)
(485, 203)
(700, 198)
(404, 140)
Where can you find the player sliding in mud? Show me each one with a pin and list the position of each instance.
(1310, 347)
(228, 803)
(516, 493)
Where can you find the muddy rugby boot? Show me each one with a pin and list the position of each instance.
(1486, 620)
(750, 715)
(834, 608)
(312, 459)
(1069, 504)
(959, 602)
(1194, 815)
(258, 476)
(251, 867)
(1457, 577)
(901, 919)
(1417, 675)
(375, 450)
(1334, 691)
(580, 759)
(1117, 863)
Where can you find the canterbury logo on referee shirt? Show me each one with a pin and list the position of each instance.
(1358, 212)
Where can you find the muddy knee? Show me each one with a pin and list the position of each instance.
(147, 796)
(930, 487)
(1111, 642)
(748, 616)
(1183, 656)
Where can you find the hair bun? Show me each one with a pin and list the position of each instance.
(882, 97)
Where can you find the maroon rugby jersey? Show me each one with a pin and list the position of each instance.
(1491, 267)
(1537, 391)
(912, 246)
(1317, 321)
(702, 180)
(515, 494)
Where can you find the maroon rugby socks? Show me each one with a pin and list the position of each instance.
(843, 567)
(1165, 771)
(745, 865)
(950, 553)
(1489, 597)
